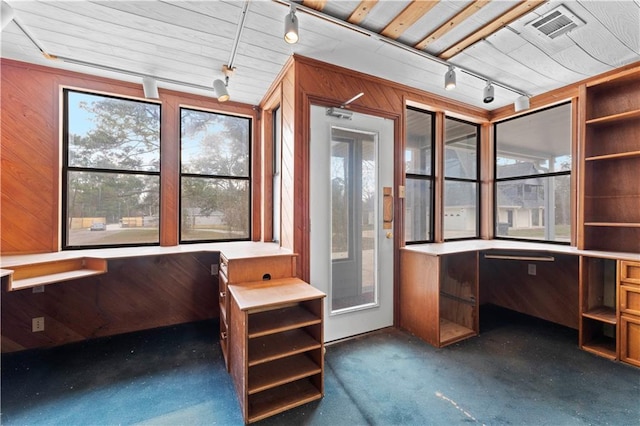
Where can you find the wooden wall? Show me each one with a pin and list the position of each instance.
(552, 294)
(30, 152)
(320, 83)
(135, 294)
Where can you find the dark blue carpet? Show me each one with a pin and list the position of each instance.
(518, 371)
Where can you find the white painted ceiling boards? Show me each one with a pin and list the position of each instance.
(190, 41)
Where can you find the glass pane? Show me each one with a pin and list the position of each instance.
(535, 143)
(460, 209)
(340, 196)
(111, 133)
(461, 150)
(535, 208)
(417, 203)
(214, 209)
(215, 144)
(353, 219)
(111, 208)
(419, 142)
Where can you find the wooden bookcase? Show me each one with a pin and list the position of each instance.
(611, 160)
(276, 349)
(438, 295)
(598, 307)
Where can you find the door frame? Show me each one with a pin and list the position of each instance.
(302, 245)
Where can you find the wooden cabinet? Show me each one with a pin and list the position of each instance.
(238, 269)
(438, 296)
(611, 159)
(598, 306)
(276, 350)
(629, 312)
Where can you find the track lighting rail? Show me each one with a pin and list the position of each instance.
(364, 31)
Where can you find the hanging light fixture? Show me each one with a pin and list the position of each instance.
(489, 93)
(220, 87)
(522, 103)
(150, 87)
(291, 26)
(450, 79)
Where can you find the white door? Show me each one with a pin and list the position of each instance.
(351, 254)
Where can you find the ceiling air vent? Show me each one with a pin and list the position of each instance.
(557, 22)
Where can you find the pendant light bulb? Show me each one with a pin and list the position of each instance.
(221, 90)
(450, 79)
(291, 27)
(489, 93)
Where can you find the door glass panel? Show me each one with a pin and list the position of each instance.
(353, 219)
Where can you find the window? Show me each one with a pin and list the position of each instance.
(215, 176)
(111, 171)
(461, 180)
(419, 176)
(533, 176)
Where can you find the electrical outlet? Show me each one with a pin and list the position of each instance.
(37, 324)
(214, 269)
(532, 269)
(38, 289)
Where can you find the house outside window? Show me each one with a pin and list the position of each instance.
(215, 177)
(461, 180)
(419, 169)
(110, 171)
(533, 176)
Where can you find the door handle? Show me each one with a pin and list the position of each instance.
(387, 207)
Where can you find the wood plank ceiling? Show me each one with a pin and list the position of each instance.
(410, 42)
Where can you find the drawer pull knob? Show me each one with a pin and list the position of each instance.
(223, 335)
(266, 277)
(223, 294)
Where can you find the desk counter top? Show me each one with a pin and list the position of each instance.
(452, 247)
(231, 250)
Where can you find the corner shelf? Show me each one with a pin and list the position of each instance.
(617, 156)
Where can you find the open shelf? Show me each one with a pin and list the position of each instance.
(617, 156)
(603, 314)
(282, 398)
(279, 320)
(271, 347)
(613, 224)
(452, 332)
(276, 373)
(37, 274)
(603, 346)
(627, 115)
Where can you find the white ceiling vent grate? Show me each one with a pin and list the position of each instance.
(557, 22)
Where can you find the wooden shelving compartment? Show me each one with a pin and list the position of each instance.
(611, 154)
(37, 274)
(277, 350)
(599, 338)
(598, 306)
(458, 297)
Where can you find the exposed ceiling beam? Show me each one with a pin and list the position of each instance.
(315, 4)
(409, 16)
(452, 23)
(361, 12)
(503, 20)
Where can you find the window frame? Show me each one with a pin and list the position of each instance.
(477, 180)
(497, 180)
(248, 178)
(424, 177)
(66, 169)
